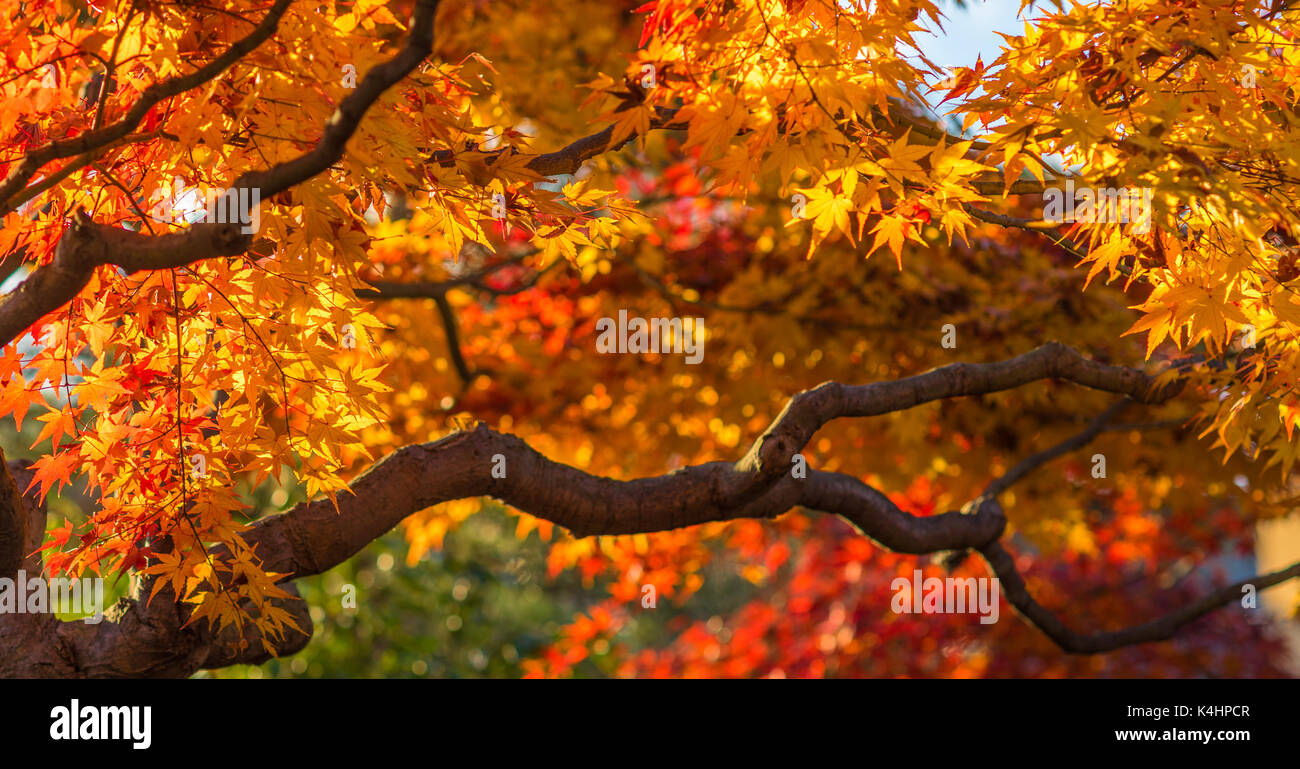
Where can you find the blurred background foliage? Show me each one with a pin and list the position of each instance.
(477, 607)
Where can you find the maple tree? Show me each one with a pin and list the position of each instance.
(448, 197)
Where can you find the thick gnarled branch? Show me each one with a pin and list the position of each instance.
(316, 536)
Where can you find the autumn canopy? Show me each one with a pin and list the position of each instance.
(1033, 319)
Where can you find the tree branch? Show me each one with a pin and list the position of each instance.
(389, 289)
(1030, 463)
(142, 639)
(13, 523)
(1159, 629)
(569, 159)
(343, 123)
(87, 245)
(22, 519)
(313, 537)
(12, 193)
(452, 330)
